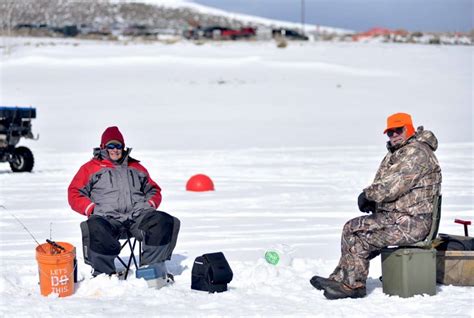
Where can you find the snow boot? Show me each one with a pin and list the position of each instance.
(319, 282)
(340, 291)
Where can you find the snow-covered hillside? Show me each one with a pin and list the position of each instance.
(101, 18)
(289, 136)
(176, 4)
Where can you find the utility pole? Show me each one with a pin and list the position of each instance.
(302, 16)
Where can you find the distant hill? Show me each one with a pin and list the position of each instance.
(169, 20)
(162, 14)
(243, 18)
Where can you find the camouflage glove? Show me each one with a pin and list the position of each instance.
(365, 205)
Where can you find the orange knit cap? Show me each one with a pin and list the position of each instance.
(400, 120)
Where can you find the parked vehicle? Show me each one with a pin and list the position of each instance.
(138, 30)
(289, 34)
(15, 123)
(219, 33)
(213, 32)
(238, 33)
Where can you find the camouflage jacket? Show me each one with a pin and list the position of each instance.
(409, 176)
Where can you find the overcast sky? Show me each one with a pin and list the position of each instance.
(359, 15)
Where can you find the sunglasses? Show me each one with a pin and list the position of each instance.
(398, 130)
(114, 146)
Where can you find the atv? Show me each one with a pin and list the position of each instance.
(15, 123)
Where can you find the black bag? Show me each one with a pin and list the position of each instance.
(455, 243)
(211, 273)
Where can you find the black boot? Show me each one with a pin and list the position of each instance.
(319, 282)
(339, 291)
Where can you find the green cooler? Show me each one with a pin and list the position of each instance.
(409, 271)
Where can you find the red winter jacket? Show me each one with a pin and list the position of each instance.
(119, 190)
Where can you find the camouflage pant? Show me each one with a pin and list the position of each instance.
(364, 237)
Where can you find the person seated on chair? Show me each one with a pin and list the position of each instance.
(119, 197)
(401, 202)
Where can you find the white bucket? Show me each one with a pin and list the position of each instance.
(279, 255)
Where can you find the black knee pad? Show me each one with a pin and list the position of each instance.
(158, 227)
(103, 236)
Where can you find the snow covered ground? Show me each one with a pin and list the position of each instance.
(289, 136)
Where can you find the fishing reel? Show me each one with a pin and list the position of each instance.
(55, 247)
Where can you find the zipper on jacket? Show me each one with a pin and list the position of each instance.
(110, 177)
(133, 179)
(130, 190)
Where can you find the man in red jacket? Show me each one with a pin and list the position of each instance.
(118, 196)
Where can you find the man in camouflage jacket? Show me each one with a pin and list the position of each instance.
(401, 201)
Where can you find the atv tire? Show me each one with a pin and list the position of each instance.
(23, 160)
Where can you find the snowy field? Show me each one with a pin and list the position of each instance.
(289, 137)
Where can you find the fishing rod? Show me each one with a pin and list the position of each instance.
(26, 229)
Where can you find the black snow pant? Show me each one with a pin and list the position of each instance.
(157, 230)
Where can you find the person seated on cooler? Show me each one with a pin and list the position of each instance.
(400, 200)
(117, 195)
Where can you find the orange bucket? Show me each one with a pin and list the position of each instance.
(56, 268)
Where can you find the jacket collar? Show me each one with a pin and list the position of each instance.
(421, 135)
(392, 149)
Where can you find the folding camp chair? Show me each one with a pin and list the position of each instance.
(127, 237)
(128, 242)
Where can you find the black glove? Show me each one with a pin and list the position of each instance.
(365, 205)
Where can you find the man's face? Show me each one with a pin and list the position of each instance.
(397, 136)
(115, 151)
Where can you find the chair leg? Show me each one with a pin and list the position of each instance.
(121, 248)
(121, 261)
(132, 256)
(139, 253)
